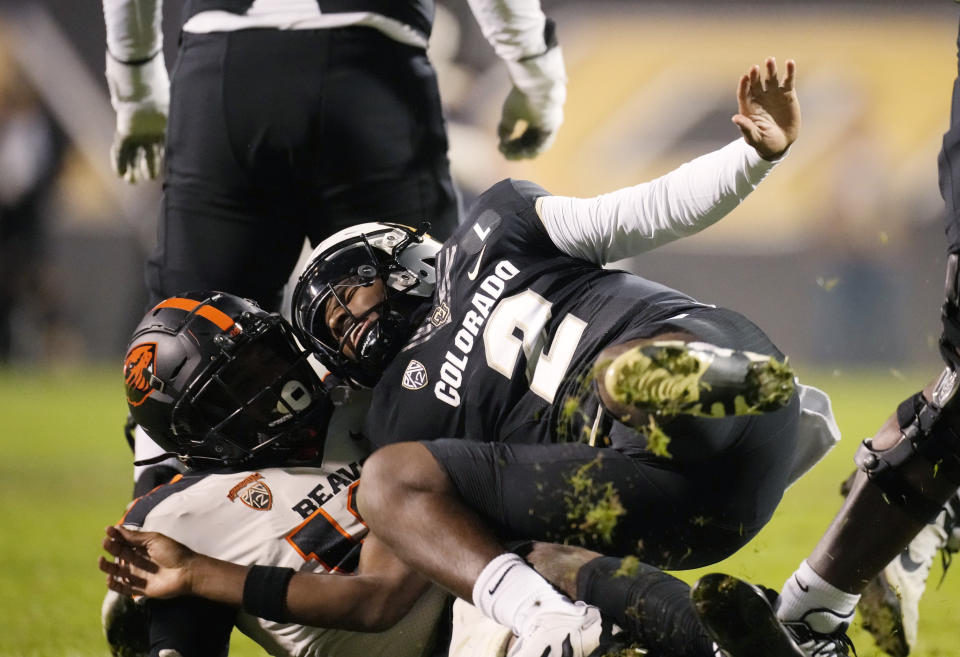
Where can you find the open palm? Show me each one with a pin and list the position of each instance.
(768, 110)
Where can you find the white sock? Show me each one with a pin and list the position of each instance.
(511, 592)
(808, 597)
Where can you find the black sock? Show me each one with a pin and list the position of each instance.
(652, 606)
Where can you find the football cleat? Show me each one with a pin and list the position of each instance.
(820, 644)
(890, 605)
(670, 377)
(740, 618)
(571, 632)
(952, 527)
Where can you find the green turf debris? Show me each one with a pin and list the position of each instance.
(593, 508)
(628, 567)
(668, 380)
(774, 383)
(657, 440)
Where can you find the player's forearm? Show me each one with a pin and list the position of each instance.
(364, 603)
(133, 29)
(135, 69)
(217, 580)
(315, 599)
(636, 219)
(515, 28)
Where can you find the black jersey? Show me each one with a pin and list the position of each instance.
(515, 327)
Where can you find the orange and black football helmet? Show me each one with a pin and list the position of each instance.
(217, 381)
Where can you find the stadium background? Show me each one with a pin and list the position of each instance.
(840, 255)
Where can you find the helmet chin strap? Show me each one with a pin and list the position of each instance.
(382, 341)
(157, 459)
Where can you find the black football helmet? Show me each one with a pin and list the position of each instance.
(217, 381)
(403, 258)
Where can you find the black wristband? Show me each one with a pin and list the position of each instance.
(135, 62)
(265, 592)
(549, 40)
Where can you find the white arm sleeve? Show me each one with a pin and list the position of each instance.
(635, 219)
(513, 27)
(135, 69)
(133, 29)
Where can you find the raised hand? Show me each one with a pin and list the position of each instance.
(146, 563)
(768, 110)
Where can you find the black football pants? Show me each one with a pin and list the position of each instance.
(718, 489)
(277, 135)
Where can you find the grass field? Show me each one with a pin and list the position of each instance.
(65, 473)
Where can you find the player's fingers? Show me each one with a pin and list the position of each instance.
(114, 585)
(116, 544)
(118, 160)
(155, 159)
(141, 168)
(505, 130)
(790, 80)
(132, 537)
(112, 546)
(743, 90)
(104, 565)
(129, 172)
(756, 85)
(128, 586)
(747, 127)
(771, 78)
(531, 143)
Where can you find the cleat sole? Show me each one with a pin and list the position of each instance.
(740, 619)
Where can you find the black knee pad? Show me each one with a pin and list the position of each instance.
(929, 430)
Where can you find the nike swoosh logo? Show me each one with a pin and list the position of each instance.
(472, 274)
(500, 581)
(906, 560)
(805, 589)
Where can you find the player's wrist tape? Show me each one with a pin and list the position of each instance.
(137, 85)
(265, 592)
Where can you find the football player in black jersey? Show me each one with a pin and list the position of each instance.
(223, 386)
(601, 408)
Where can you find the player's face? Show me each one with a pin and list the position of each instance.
(350, 313)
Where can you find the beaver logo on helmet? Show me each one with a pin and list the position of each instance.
(138, 369)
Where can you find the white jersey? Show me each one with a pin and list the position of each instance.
(303, 518)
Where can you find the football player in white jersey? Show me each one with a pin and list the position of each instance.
(224, 387)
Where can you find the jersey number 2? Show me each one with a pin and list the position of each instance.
(529, 312)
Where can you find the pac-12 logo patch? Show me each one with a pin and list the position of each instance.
(253, 492)
(138, 369)
(415, 376)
